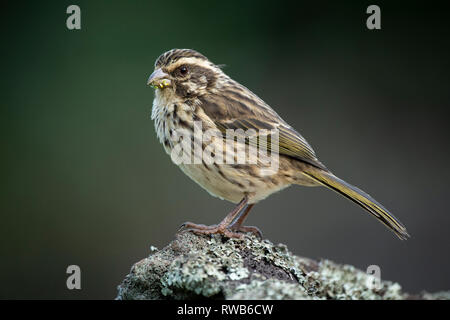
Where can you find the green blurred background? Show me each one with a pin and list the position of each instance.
(84, 180)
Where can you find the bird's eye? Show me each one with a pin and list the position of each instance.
(183, 70)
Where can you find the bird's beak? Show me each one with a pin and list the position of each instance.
(158, 79)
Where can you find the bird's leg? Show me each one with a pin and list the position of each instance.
(236, 225)
(224, 226)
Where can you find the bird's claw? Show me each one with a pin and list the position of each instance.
(249, 229)
(232, 232)
(207, 230)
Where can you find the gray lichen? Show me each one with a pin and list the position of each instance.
(193, 267)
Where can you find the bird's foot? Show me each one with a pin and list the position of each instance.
(248, 229)
(236, 232)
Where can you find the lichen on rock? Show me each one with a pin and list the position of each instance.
(198, 266)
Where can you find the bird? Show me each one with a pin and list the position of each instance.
(192, 93)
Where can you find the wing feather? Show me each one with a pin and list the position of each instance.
(228, 112)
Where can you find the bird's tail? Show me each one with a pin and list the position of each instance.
(360, 197)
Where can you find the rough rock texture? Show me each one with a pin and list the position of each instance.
(198, 267)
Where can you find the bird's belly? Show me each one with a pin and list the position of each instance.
(231, 183)
(220, 178)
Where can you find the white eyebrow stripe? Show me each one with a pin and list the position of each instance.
(191, 60)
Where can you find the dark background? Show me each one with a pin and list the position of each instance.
(84, 180)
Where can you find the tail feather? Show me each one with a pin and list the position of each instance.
(360, 197)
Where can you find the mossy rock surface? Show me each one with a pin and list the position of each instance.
(212, 267)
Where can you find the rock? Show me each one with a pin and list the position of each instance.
(194, 266)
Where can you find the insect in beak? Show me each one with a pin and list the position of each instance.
(158, 79)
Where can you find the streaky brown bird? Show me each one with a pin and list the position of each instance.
(194, 93)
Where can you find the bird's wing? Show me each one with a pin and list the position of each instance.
(232, 113)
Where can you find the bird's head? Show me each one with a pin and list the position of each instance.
(184, 72)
